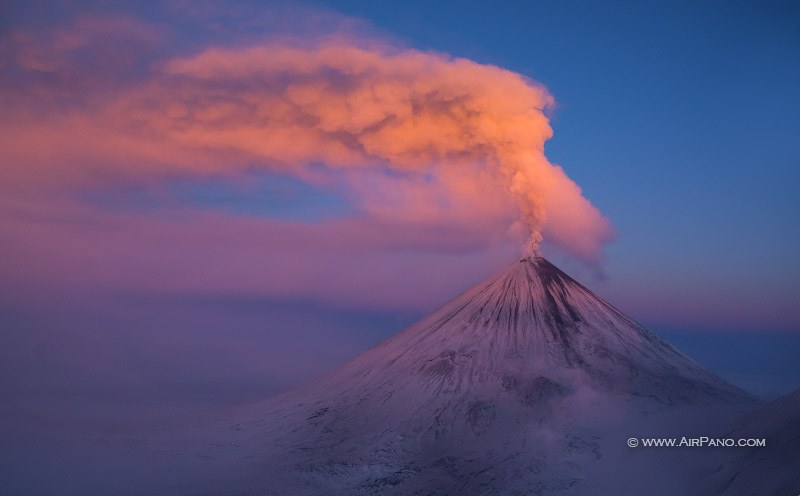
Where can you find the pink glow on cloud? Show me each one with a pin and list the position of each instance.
(438, 137)
(442, 158)
(348, 262)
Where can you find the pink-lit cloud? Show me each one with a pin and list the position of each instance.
(351, 262)
(418, 136)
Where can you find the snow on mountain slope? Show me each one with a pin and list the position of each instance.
(773, 470)
(528, 383)
(530, 319)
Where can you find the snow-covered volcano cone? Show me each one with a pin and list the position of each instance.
(511, 388)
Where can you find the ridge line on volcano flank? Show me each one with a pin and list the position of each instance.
(529, 320)
(484, 395)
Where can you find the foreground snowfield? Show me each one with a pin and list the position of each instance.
(774, 470)
(527, 384)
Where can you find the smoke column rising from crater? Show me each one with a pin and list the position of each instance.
(418, 136)
(423, 115)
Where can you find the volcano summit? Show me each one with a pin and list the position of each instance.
(528, 383)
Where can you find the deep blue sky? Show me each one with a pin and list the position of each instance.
(680, 120)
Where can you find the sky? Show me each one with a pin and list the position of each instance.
(203, 205)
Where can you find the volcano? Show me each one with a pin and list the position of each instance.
(528, 383)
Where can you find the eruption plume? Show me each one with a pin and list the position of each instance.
(416, 135)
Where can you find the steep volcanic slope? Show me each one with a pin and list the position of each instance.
(521, 385)
(530, 319)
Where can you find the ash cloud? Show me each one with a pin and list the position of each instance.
(417, 136)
